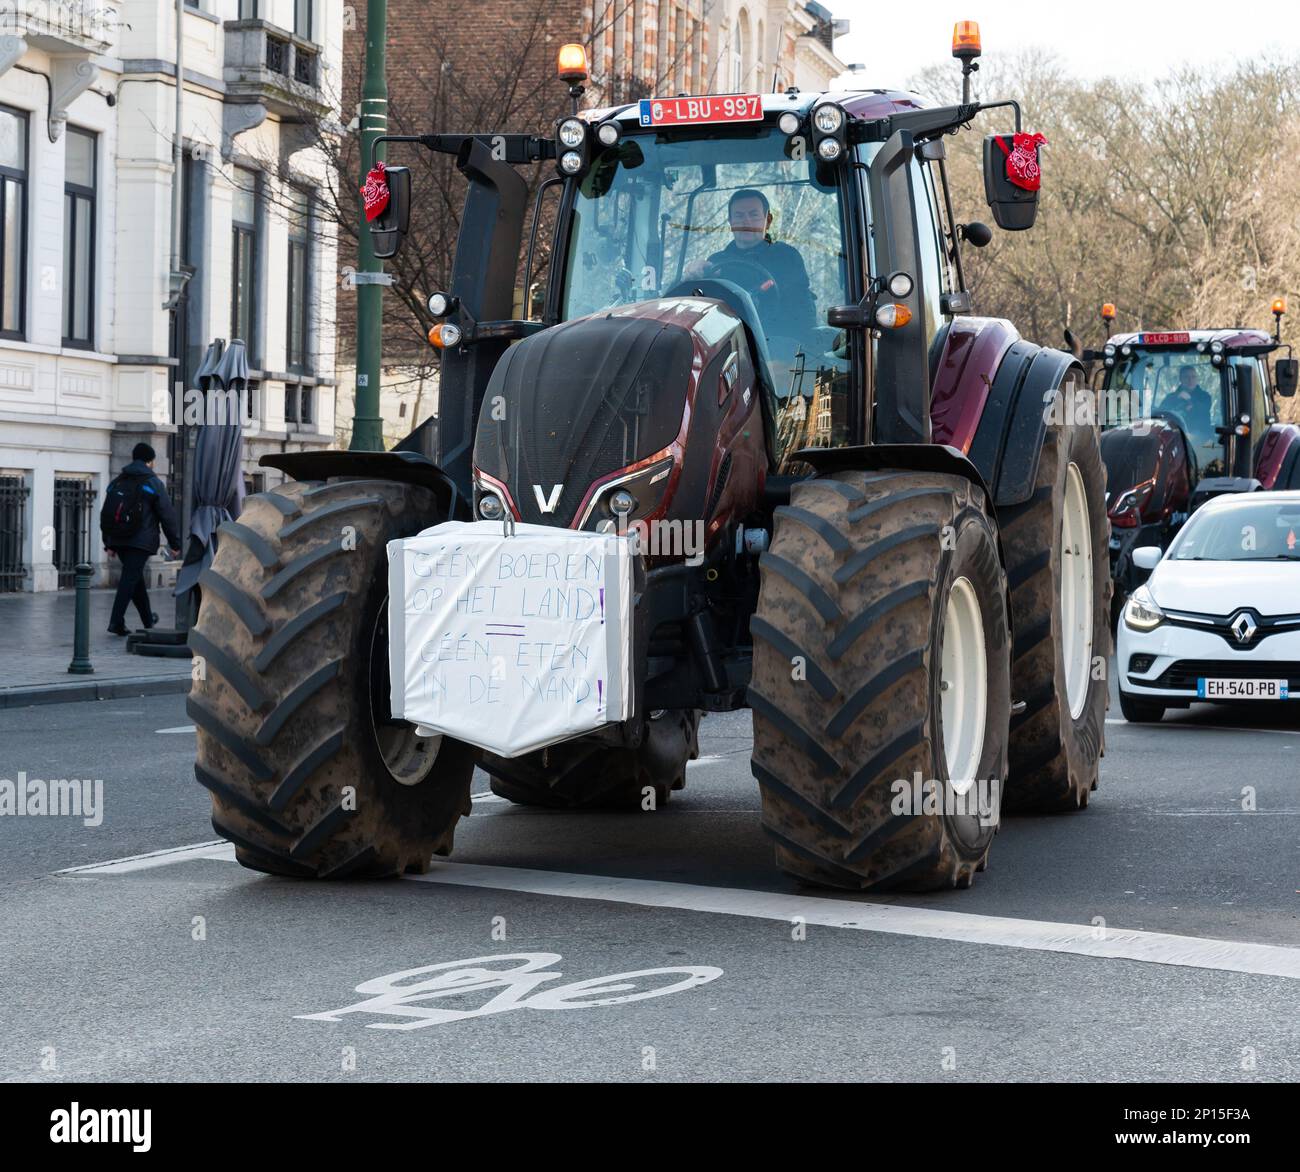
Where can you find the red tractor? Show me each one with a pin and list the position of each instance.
(1186, 416)
(755, 324)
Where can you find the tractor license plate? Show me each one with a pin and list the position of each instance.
(690, 111)
(1208, 689)
(1164, 339)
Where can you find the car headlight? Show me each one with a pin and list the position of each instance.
(1142, 613)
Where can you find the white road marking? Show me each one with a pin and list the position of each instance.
(180, 728)
(711, 760)
(177, 854)
(1232, 956)
(1038, 935)
(487, 797)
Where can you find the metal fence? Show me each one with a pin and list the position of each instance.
(73, 504)
(13, 513)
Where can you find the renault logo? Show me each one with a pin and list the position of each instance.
(1243, 627)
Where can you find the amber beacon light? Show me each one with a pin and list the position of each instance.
(966, 39)
(571, 64)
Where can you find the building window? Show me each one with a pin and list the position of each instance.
(244, 259)
(79, 238)
(247, 9)
(13, 220)
(299, 404)
(74, 499)
(302, 18)
(250, 403)
(299, 216)
(13, 539)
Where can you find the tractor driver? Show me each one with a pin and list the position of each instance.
(1192, 403)
(770, 271)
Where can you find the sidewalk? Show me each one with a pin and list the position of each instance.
(36, 648)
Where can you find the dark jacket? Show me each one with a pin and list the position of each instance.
(789, 310)
(158, 512)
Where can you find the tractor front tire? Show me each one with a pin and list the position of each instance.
(587, 775)
(1056, 547)
(853, 659)
(308, 773)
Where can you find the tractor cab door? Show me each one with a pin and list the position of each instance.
(1252, 408)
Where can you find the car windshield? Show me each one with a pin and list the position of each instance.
(1184, 385)
(662, 215)
(1256, 532)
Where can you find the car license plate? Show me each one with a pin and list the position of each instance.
(1164, 339)
(1208, 689)
(689, 111)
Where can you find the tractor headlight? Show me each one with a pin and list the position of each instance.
(789, 123)
(572, 133)
(828, 118)
(622, 502)
(1109, 351)
(570, 162)
(439, 304)
(607, 133)
(829, 149)
(490, 507)
(1141, 613)
(1216, 347)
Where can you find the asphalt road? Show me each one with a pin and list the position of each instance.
(1055, 966)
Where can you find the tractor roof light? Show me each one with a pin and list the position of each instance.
(571, 162)
(1109, 361)
(1127, 351)
(1216, 347)
(571, 64)
(893, 316)
(829, 149)
(1108, 311)
(966, 40)
(789, 123)
(1110, 350)
(1202, 347)
(1279, 306)
(1216, 359)
(828, 118)
(572, 133)
(607, 132)
(445, 335)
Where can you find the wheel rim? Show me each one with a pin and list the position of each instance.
(1076, 591)
(406, 754)
(963, 688)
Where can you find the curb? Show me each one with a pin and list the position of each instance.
(93, 690)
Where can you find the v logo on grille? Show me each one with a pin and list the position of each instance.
(547, 503)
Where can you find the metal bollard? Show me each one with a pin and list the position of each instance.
(81, 664)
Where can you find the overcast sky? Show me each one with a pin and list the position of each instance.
(1132, 38)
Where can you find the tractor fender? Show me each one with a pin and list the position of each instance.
(398, 466)
(1278, 464)
(1009, 439)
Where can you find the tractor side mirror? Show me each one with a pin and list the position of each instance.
(389, 228)
(1014, 208)
(1286, 375)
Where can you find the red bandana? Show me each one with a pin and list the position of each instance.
(375, 193)
(1022, 160)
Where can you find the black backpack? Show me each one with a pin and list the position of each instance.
(123, 513)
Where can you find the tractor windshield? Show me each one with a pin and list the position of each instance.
(1182, 385)
(657, 214)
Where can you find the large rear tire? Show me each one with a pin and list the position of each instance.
(1057, 564)
(879, 589)
(309, 775)
(586, 775)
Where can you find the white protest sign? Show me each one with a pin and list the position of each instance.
(510, 643)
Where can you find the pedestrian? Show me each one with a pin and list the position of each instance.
(135, 504)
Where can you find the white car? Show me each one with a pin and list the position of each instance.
(1219, 618)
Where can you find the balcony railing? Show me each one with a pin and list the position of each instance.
(88, 26)
(272, 66)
